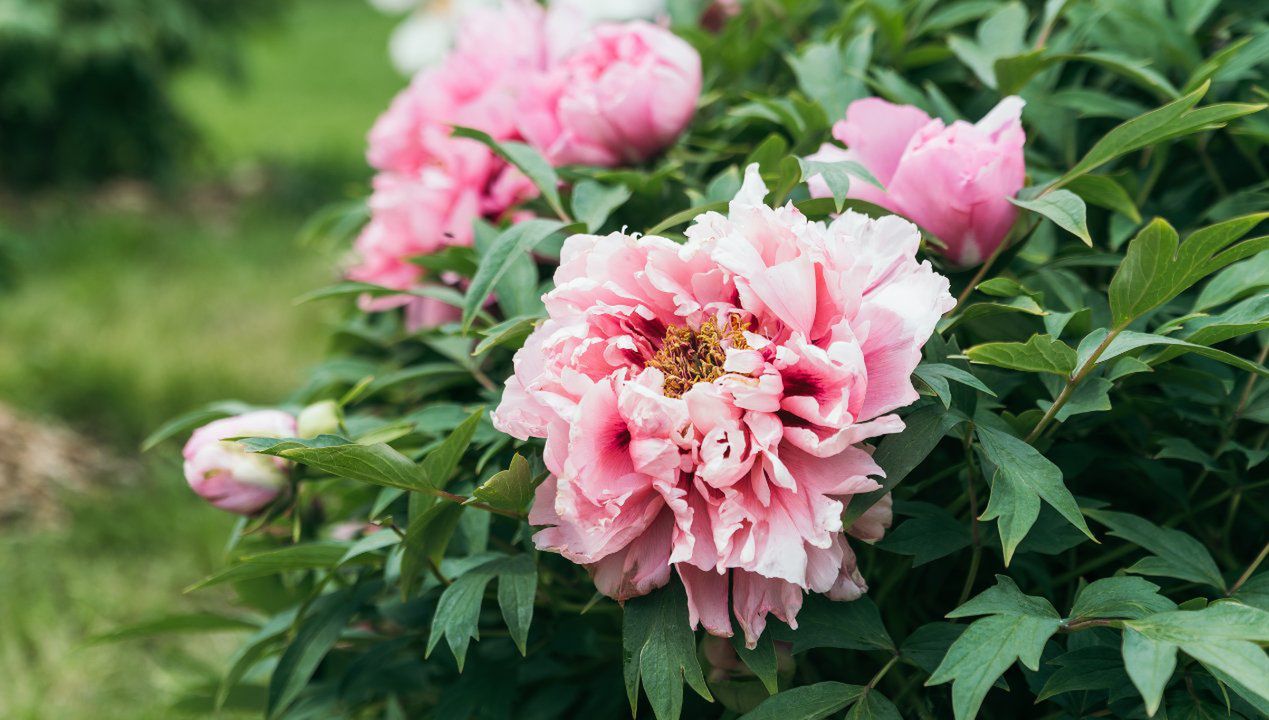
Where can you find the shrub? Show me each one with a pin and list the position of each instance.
(1085, 422)
(85, 84)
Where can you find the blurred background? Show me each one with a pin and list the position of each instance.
(158, 160)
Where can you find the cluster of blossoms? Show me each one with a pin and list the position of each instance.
(704, 405)
(954, 180)
(602, 95)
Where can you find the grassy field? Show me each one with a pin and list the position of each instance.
(130, 306)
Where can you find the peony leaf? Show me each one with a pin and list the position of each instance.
(1120, 597)
(659, 648)
(1064, 208)
(510, 489)
(1039, 354)
(458, 611)
(1018, 629)
(899, 454)
(593, 202)
(761, 660)
(809, 702)
(1023, 477)
(510, 246)
(1175, 554)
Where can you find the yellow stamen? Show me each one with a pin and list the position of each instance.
(691, 356)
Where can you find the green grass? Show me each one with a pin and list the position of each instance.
(313, 91)
(122, 316)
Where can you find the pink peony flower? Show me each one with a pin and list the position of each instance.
(705, 405)
(431, 186)
(229, 477)
(955, 181)
(623, 95)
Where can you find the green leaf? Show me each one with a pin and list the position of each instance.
(440, 463)
(659, 648)
(1120, 597)
(834, 76)
(194, 419)
(510, 245)
(306, 556)
(1234, 282)
(1064, 208)
(458, 612)
(1000, 35)
(426, 538)
(1023, 477)
(508, 332)
(1127, 341)
(1222, 637)
(1019, 629)
(184, 623)
(761, 660)
(1087, 668)
(1004, 598)
(899, 454)
(517, 586)
(938, 375)
(529, 161)
(315, 637)
(836, 175)
(1039, 354)
(687, 215)
(593, 202)
(824, 623)
(1104, 192)
(510, 489)
(377, 464)
(809, 702)
(929, 534)
(872, 705)
(1175, 554)
(1172, 120)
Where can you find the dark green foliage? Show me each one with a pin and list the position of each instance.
(85, 85)
(1092, 432)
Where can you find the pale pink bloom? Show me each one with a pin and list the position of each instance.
(620, 97)
(225, 474)
(955, 181)
(431, 187)
(705, 406)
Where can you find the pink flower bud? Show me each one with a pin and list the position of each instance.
(622, 96)
(225, 474)
(954, 180)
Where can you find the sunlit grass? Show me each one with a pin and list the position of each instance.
(123, 315)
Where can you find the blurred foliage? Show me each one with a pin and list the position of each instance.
(85, 85)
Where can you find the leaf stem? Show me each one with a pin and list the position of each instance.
(1264, 551)
(465, 500)
(1071, 384)
(977, 556)
(882, 672)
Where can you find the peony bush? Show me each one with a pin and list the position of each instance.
(866, 359)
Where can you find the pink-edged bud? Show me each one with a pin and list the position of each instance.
(954, 180)
(226, 475)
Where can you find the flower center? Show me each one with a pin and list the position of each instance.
(691, 356)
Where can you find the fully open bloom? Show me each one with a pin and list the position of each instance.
(955, 181)
(229, 477)
(620, 97)
(704, 405)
